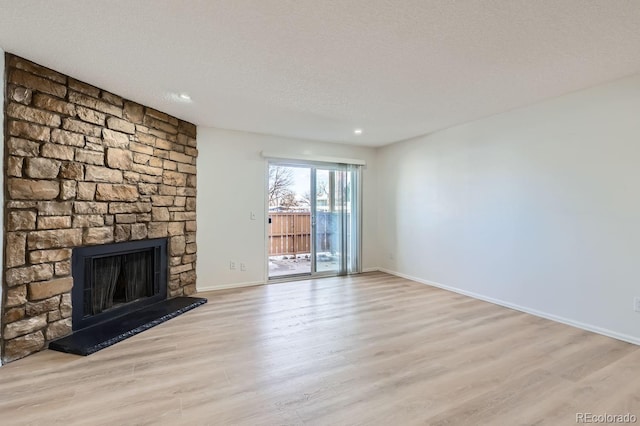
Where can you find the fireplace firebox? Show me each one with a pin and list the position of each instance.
(111, 280)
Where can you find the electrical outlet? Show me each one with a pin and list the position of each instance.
(232, 265)
(636, 304)
(252, 216)
(243, 267)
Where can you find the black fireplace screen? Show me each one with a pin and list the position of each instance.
(120, 279)
(113, 279)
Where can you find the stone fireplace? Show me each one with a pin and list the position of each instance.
(85, 168)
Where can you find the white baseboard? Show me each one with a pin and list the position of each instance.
(229, 286)
(541, 314)
(255, 283)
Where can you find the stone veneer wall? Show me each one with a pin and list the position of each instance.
(84, 167)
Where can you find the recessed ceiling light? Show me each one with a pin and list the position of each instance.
(358, 131)
(178, 97)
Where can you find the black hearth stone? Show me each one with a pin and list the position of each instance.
(105, 334)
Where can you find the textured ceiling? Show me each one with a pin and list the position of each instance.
(317, 69)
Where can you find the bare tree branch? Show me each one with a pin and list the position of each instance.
(280, 179)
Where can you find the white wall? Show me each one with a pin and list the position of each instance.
(537, 208)
(231, 185)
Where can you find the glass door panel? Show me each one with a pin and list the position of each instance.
(328, 222)
(289, 226)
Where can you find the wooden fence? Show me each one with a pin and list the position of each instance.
(290, 233)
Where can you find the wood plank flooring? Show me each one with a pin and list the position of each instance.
(371, 349)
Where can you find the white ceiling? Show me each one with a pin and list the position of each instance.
(318, 69)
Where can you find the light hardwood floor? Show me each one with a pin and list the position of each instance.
(372, 349)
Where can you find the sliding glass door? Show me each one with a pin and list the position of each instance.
(328, 211)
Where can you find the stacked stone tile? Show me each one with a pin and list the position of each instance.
(85, 167)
